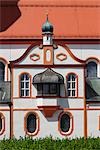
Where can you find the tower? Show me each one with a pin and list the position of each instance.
(47, 32)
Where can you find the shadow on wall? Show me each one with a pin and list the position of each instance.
(9, 13)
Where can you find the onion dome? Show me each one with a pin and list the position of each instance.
(47, 27)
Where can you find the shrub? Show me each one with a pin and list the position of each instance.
(50, 144)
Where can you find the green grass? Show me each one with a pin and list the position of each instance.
(50, 144)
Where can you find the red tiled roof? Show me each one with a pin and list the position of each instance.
(72, 19)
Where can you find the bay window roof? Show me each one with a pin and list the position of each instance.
(48, 76)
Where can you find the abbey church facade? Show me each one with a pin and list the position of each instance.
(50, 70)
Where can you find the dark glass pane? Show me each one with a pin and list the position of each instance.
(92, 69)
(73, 92)
(22, 93)
(53, 89)
(73, 77)
(22, 77)
(0, 123)
(26, 76)
(45, 88)
(68, 85)
(65, 123)
(39, 87)
(69, 78)
(22, 84)
(27, 84)
(2, 71)
(27, 92)
(73, 84)
(31, 123)
(69, 92)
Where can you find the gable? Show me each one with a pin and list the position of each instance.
(34, 55)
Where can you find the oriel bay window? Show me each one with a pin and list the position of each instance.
(48, 83)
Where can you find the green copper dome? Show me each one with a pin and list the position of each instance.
(47, 27)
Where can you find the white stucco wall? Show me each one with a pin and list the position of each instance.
(6, 133)
(93, 123)
(49, 126)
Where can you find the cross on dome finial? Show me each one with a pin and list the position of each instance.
(47, 16)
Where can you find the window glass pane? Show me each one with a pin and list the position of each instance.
(53, 89)
(27, 77)
(27, 84)
(0, 123)
(39, 87)
(73, 84)
(45, 88)
(31, 123)
(69, 78)
(22, 77)
(68, 85)
(27, 92)
(73, 77)
(65, 123)
(73, 92)
(22, 93)
(69, 92)
(22, 84)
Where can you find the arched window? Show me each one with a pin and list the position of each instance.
(2, 71)
(31, 124)
(2, 123)
(65, 123)
(91, 69)
(72, 85)
(25, 85)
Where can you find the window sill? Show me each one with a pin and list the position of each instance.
(48, 97)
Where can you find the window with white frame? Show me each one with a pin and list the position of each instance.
(71, 85)
(2, 71)
(25, 85)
